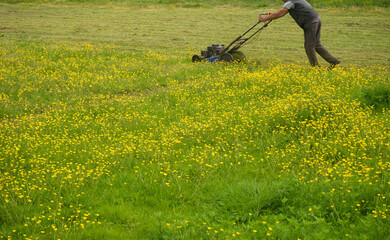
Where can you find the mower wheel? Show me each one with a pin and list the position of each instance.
(227, 57)
(238, 56)
(196, 58)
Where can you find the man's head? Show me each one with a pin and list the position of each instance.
(284, 1)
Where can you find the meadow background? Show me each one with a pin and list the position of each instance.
(109, 131)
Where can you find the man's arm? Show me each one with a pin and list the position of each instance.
(275, 15)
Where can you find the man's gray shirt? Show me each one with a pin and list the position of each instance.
(301, 11)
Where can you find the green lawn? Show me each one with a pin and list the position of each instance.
(356, 38)
(109, 131)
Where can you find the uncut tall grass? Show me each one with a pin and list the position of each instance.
(98, 143)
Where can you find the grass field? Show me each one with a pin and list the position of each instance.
(109, 131)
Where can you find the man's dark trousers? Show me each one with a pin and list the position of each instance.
(313, 43)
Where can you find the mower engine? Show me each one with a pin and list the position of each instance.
(210, 54)
(215, 53)
(212, 51)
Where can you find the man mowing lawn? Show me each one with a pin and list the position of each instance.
(309, 20)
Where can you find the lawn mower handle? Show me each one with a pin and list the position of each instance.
(227, 49)
(255, 25)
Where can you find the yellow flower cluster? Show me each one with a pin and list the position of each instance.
(74, 115)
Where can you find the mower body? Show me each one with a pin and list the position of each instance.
(217, 52)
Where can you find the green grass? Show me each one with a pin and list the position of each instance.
(377, 97)
(109, 131)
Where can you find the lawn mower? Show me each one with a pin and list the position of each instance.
(230, 53)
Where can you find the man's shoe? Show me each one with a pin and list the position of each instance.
(333, 65)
